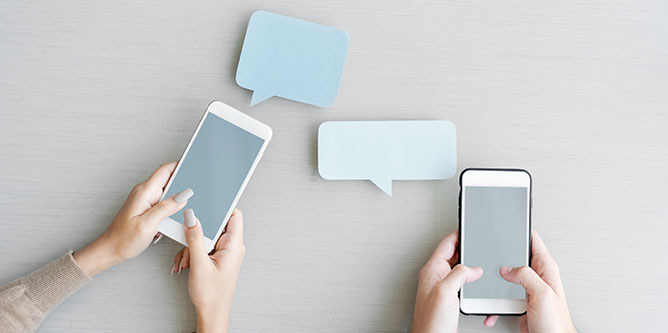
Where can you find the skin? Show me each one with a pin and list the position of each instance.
(212, 279)
(134, 227)
(439, 281)
(547, 309)
(213, 276)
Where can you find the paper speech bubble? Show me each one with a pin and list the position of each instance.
(381, 151)
(291, 58)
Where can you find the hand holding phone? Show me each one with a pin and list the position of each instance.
(135, 225)
(439, 281)
(547, 309)
(213, 276)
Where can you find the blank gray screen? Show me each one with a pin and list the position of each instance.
(495, 228)
(215, 168)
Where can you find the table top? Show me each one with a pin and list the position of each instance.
(95, 95)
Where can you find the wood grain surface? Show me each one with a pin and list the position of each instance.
(96, 94)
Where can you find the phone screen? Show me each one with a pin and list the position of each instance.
(495, 231)
(215, 167)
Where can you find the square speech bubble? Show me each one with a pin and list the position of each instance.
(291, 58)
(382, 151)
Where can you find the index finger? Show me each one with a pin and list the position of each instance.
(538, 248)
(444, 251)
(234, 231)
(543, 263)
(160, 176)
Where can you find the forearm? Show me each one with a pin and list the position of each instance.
(25, 302)
(96, 257)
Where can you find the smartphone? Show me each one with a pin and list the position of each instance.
(494, 230)
(217, 164)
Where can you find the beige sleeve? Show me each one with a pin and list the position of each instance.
(25, 302)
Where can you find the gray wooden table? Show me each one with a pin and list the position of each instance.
(95, 94)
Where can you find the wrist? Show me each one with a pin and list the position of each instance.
(212, 320)
(96, 257)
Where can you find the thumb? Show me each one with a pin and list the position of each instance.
(458, 276)
(167, 207)
(526, 277)
(194, 237)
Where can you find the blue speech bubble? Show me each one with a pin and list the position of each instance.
(291, 58)
(382, 151)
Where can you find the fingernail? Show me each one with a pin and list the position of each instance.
(189, 218)
(183, 196)
(504, 270)
(171, 270)
(181, 266)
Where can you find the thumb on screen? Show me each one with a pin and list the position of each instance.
(457, 277)
(526, 277)
(194, 237)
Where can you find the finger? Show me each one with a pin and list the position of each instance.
(178, 255)
(167, 207)
(186, 258)
(490, 321)
(180, 265)
(157, 238)
(439, 263)
(234, 231)
(445, 249)
(146, 194)
(538, 248)
(455, 258)
(194, 238)
(543, 263)
(443, 252)
(526, 277)
(524, 325)
(458, 276)
(160, 176)
(177, 260)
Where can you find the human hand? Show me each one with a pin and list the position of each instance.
(547, 310)
(213, 277)
(437, 302)
(135, 225)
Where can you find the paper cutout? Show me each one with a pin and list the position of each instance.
(382, 151)
(291, 58)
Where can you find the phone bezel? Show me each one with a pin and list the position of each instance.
(499, 178)
(173, 229)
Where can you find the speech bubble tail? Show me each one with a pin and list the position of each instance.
(259, 97)
(383, 184)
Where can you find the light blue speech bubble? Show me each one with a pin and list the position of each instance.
(291, 58)
(381, 151)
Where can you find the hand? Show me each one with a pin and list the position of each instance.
(135, 225)
(547, 310)
(213, 277)
(437, 302)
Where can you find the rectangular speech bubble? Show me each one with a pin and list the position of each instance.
(382, 151)
(291, 58)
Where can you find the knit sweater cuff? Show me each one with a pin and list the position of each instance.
(55, 282)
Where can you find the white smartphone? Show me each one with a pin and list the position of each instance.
(216, 165)
(494, 230)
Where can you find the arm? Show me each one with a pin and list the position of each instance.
(213, 277)
(25, 302)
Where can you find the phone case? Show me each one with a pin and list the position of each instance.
(459, 225)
